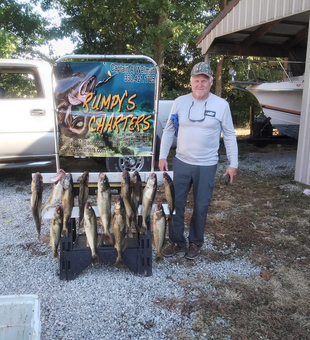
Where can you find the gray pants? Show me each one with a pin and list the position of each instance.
(202, 180)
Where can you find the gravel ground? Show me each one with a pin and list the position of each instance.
(105, 302)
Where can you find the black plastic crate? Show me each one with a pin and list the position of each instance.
(76, 257)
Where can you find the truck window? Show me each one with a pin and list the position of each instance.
(20, 84)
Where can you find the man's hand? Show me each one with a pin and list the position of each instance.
(163, 165)
(232, 172)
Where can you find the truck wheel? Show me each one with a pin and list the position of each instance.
(129, 163)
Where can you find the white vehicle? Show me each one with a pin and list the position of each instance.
(27, 137)
(27, 115)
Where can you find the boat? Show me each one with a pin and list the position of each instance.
(280, 100)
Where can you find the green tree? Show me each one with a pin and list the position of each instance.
(164, 30)
(21, 29)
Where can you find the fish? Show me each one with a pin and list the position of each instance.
(126, 196)
(159, 230)
(56, 229)
(104, 206)
(90, 226)
(148, 197)
(36, 200)
(83, 193)
(136, 196)
(119, 230)
(72, 89)
(56, 192)
(59, 176)
(67, 202)
(169, 194)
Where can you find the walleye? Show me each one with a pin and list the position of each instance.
(119, 230)
(169, 193)
(72, 89)
(83, 193)
(55, 229)
(55, 195)
(148, 197)
(104, 206)
(126, 196)
(136, 195)
(36, 200)
(159, 230)
(90, 226)
(67, 202)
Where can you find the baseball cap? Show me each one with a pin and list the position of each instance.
(201, 68)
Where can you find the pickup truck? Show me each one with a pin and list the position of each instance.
(27, 137)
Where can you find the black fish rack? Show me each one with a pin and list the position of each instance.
(75, 256)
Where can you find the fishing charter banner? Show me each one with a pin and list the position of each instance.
(105, 108)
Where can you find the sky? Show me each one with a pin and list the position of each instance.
(60, 47)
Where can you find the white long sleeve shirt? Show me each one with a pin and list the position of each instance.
(200, 125)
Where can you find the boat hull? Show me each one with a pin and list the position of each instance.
(281, 101)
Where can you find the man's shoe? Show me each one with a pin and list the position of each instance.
(193, 252)
(172, 249)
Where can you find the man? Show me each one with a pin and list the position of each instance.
(198, 119)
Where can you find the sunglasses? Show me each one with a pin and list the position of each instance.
(205, 113)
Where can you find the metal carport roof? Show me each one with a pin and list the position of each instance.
(267, 28)
(258, 28)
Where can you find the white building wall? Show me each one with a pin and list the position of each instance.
(302, 169)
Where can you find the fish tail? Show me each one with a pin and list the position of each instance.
(64, 232)
(143, 230)
(129, 232)
(158, 258)
(38, 221)
(119, 262)
(94, 259)
(169, 219)
(138, 229)
(55, 254)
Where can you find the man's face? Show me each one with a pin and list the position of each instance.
(201, 85)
